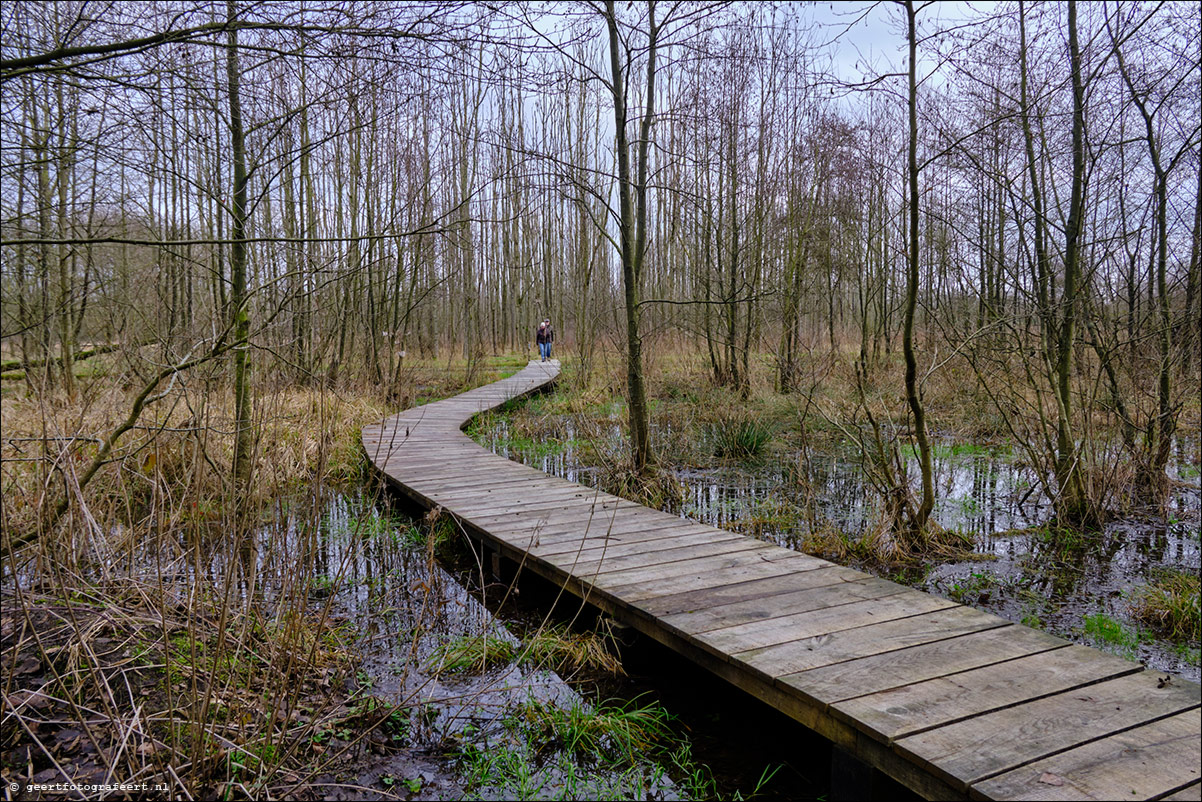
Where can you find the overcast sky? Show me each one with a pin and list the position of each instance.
(869, 38)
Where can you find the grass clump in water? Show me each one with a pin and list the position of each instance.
(473, 653)
(1171, 605)
(558, 648)
(609, 732)
(739, 437)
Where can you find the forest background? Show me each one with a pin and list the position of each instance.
(233, 233)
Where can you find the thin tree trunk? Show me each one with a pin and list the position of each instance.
(912, 394)
(238, 287)
(633, 228)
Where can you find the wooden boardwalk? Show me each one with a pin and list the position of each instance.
(950, 701)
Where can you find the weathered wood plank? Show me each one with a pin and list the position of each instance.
(609, 564)
(702, 566)
(895, 669)
(488, 481)
(926, 705)
(599, 548)
(700, 599)
(839, 647)
(423, 478)
(832, 596)
(559, 539)
(823, 622)
(969, 751)
(1142, 763)
(774, 566)
(1191, 793)
(529, 521)
(565, 497)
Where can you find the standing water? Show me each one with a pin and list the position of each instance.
(1083, 587)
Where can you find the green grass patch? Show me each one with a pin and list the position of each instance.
(1106, 631)
(973, 589)
(608, 733)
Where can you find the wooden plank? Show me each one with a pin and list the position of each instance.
(690, 552)
(523, 521)
(561, 537)
(881, 672)
(821, 623)
(399, 464)
(1192, 793)
(459, 470)
(462, 471)
(640, 591)
(839, 647)
(701, 567)
(599, 548)
(482, 476)
(560, 540)
(548, 497)
(970, 751)
(526, 528)
(497, 495)
(455, 472)
(1147, 762)
(806, 600)
(485, 480)
(627, 525)
(905, 711)
(750, 590)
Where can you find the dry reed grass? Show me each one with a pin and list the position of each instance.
(158, 631)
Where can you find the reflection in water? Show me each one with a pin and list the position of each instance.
(379, 574)
(1021, 571)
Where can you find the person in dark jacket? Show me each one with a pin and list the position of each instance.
(544, 338)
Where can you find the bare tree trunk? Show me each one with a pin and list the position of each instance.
(913, 397)
(238, 289)
(1162, 428)
(1073, 503)
(633, 227)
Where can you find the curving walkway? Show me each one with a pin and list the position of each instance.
(950, 701)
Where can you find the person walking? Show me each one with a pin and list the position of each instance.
(544, 338)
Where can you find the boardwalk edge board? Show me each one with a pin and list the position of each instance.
(949, 701)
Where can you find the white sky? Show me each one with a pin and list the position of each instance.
(869, 38)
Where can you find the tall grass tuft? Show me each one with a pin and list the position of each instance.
(739, 437)
(1171, 605)
(610, 732)
(558, 648)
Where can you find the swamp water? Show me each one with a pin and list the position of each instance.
(504, 732)
(396, 597)
(1077, 586)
